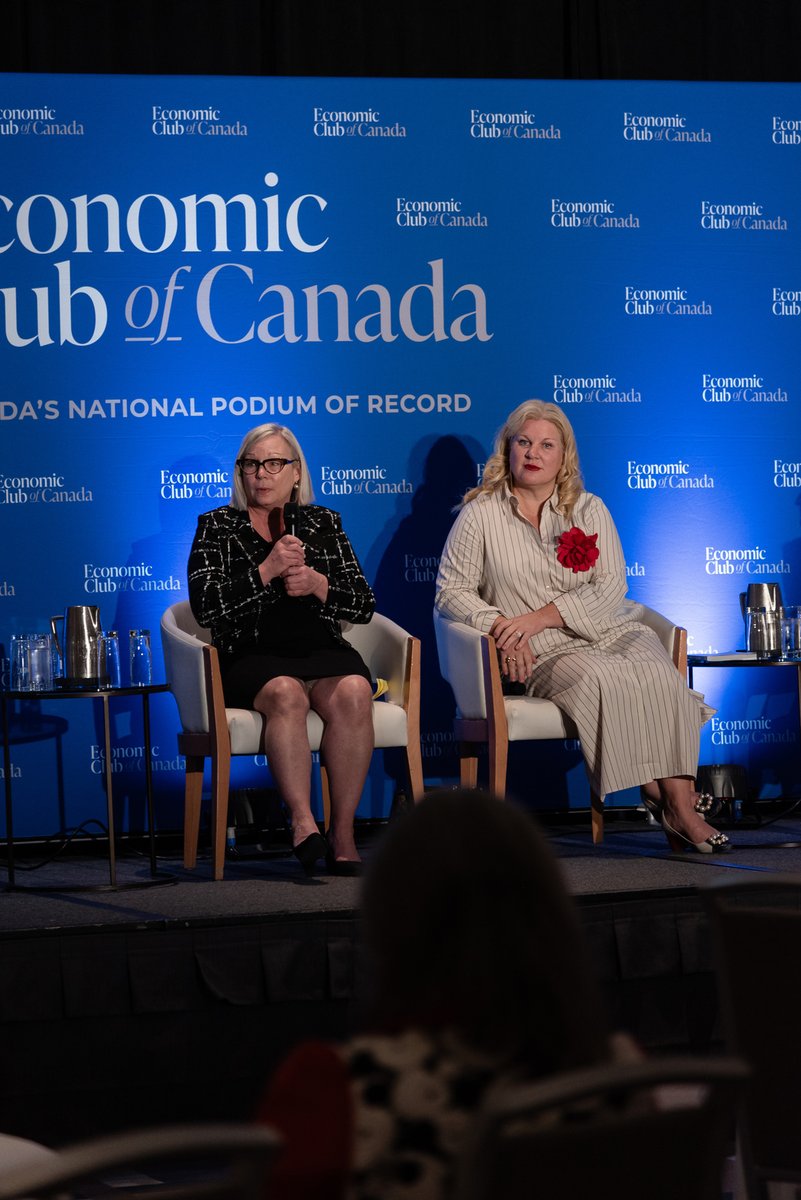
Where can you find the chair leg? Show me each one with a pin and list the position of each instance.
(220, 781)
(468, 765)
(597, 803)
(325, 792)
(193, 793)
(414, 770)
(498, 758)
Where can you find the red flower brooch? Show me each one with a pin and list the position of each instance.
(577, 550)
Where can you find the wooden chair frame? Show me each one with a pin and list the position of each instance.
(390, 653)
(469, 662)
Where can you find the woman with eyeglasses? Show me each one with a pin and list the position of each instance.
(272, 575)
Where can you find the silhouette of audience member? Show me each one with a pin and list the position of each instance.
(478, 973)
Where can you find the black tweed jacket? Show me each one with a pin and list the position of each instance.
(227, 595)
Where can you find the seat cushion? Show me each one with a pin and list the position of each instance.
(532, 718)
(245, 728)
(389, 724)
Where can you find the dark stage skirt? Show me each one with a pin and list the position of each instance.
(245, 678)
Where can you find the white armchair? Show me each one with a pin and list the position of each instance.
(468, 660)
(210, 730)
(239, 1157)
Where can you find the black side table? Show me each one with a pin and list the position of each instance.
(105, 696)
(740, 662)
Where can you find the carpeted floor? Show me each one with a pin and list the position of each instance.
(151, 1003)
(634, 858)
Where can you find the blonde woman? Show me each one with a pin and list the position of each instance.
(535, 560)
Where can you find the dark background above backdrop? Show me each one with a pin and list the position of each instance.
(548, 39)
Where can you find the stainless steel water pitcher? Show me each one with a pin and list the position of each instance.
(762, 609)
(78, 645)
(762, 595)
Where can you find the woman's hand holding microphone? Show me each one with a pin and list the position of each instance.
(287, 559)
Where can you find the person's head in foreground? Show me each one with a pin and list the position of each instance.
(469, 928)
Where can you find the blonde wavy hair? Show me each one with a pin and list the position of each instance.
(304, 493)
(496, 469)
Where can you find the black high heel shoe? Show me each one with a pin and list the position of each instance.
(343, 866)
(310, 851)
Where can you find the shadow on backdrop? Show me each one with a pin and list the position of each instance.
(404, 572)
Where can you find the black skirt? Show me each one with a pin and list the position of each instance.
(244, 678)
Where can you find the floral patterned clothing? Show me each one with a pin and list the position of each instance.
(414, 1097)
(384, 1117)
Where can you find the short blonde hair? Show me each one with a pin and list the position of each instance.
(497, 471)
(304, 491)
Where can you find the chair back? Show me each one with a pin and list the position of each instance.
(607, 1131)
(756, 932)
(221, 1162)
(460, 663)
(182, 640)
(383, 646)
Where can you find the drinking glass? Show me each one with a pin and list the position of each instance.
(56, 660)
(40, 662)
(141, 658)
(109, 659)
(791, 634)
(763, 632)
(20, 664)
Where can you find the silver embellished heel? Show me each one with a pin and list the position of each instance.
(704, 803)
(718, 843)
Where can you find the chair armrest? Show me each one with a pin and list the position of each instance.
(461, 665)
(673, 637)
(186, 674)
(386, 649)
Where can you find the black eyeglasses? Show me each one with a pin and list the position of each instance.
(273, 466)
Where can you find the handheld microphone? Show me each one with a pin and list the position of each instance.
(291, 513)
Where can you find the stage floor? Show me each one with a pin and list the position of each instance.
(175, 1002)
(634, 861)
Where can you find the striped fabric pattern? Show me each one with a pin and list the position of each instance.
(636, 718)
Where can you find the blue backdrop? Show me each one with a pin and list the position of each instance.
(389, 267)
